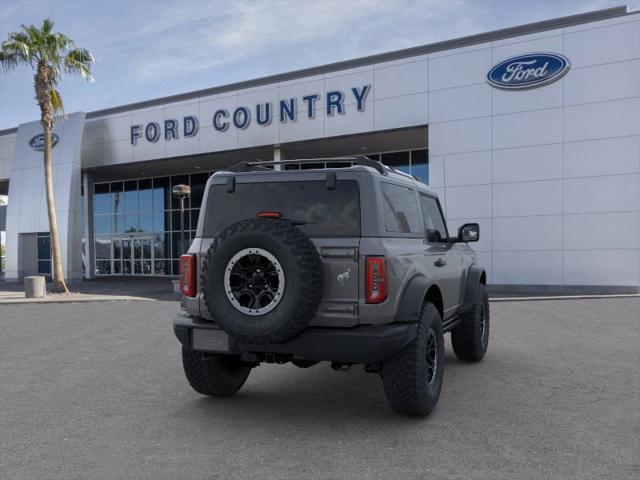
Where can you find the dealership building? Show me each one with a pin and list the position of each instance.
(532, 131)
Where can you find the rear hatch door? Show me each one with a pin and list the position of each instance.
(328, 212)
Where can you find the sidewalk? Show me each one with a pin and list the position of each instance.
(140, 289)
(103, 289)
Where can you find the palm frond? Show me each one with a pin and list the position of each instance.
(79, 61)
(9, 61)
(63, 42)
(18, 47)
(34, 34)
(56, 101)
(47, 26)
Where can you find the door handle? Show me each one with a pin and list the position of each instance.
(440, 262)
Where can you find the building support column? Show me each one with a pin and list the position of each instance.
(277, 156)
(87, 203)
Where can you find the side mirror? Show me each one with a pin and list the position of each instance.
(469, 232)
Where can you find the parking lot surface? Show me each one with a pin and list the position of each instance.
(96, 391)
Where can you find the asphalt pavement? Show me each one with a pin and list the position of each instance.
(96, 391)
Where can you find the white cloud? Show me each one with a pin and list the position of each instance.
(147, 49)
(194, 37)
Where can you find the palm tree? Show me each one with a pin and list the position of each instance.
(2, 204)
(50, 55)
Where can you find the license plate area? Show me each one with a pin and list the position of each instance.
(208, 340)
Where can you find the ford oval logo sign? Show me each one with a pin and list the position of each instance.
(37, 142)
(528, 71)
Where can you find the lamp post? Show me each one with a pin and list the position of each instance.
(182, 192)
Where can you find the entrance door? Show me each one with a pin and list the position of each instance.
(132, 256)
(142, 261)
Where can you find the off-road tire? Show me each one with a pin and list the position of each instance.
(404, 376)
(214, 375)
(303, 272)
(470, 339)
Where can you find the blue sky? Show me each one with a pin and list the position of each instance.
(149, 49)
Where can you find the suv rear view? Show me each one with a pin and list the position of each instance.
(334, 265)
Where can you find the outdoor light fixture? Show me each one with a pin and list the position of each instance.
(182, 192)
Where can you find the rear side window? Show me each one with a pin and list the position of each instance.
(316, 210)
(400, 209)
(436, 229)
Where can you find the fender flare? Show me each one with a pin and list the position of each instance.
(412, 299)
(470, 291)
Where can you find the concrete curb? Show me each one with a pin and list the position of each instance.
(561, 297)
(74, 299)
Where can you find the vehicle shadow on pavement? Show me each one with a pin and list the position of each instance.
(316, 397)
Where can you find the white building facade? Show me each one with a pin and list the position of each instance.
(544, 156)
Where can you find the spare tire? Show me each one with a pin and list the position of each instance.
(262, 280)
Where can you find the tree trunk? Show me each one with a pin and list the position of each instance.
(59, 284)
(43, 85)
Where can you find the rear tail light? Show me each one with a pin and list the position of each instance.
(376, 280)
(270, 214)
(188, 275)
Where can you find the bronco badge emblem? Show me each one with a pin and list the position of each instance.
(342, 277)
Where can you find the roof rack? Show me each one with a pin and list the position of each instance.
(356, 160)
(404, 174)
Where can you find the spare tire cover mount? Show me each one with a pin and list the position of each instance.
(262, 280)
(254, 281)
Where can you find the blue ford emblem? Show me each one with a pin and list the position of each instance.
(528, 71)
(37, 142)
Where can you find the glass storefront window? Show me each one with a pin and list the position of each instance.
(146, 222)
(161, 194)
(420, 165)
(397, 160)
(102, 224)
(160, 245)
(117, 223)
(117, 248)
(145, 195)
(161, 267)
(103, 267)
(117, 198)
(175, 220)
(176, 251)
(198, 183)
(131, 223)
(103, 247)
(142, 215)
(160, 222)
(194, 218)
(131, 203)
(101, 198)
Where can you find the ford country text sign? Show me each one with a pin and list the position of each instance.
(261, 114)
(528, 71)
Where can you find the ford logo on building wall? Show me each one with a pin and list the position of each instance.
(528, 71)
(37, 142)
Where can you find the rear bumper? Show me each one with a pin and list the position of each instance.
(362, 344)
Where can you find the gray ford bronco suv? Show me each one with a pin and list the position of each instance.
(351, 263)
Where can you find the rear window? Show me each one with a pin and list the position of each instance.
(321, 212)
